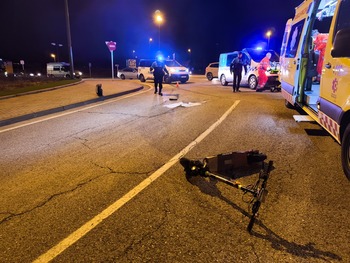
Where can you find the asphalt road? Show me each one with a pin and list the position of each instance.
(103, 183)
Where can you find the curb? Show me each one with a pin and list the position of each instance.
(63, 108)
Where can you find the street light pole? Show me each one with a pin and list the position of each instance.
(57, 50)
(149, 42)
(159, 21)
(268, 34)
(190, 55)
(69, 40)
(159, 37)
(54, 57)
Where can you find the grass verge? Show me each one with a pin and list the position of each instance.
(22, 85)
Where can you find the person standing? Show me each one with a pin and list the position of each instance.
(236, 67)
(159, 70)
(263, 66)
(320, 47)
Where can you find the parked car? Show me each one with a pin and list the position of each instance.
(211, 71)
(127, 73)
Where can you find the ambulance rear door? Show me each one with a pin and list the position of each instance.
(291, 51)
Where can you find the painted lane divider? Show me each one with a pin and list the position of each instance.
(91, 224)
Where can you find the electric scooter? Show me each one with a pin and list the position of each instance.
(213, 166)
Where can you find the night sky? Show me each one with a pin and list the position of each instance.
(208, 28)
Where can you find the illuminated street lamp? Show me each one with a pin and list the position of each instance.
(158, 18)
(54, 57)
(149, 42)
(268, 34)
(189, 53)
(57, 50)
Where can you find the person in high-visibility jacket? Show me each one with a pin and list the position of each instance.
(263, 66)
(320, 46)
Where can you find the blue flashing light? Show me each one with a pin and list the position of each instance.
(160, 57)
(259, 48)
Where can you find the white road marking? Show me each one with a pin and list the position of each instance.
(88, 226)
(74, 111)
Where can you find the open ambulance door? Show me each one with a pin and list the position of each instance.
(292, 54)
(314, 48)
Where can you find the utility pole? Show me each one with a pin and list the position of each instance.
(69, 39)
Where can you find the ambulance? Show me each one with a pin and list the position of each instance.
(315, 67)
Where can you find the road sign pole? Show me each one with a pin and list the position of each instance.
(112, 65)
(111, 46)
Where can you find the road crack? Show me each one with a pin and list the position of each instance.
(7, 215)
(149, 234)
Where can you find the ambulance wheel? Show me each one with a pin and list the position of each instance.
(122, 76)
(345, 152)
(223, 80)
(252, 82)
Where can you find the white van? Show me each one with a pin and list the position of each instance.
(177, 72)
(252, 57)
(60, 70)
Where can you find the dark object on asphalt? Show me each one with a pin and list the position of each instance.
(172, 96)
(211, 166)
(99, 90)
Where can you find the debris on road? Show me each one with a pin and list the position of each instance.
(182, 104)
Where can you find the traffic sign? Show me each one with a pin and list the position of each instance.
(111, 45)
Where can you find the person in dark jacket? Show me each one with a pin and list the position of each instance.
(159, 70)
(236, 67)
